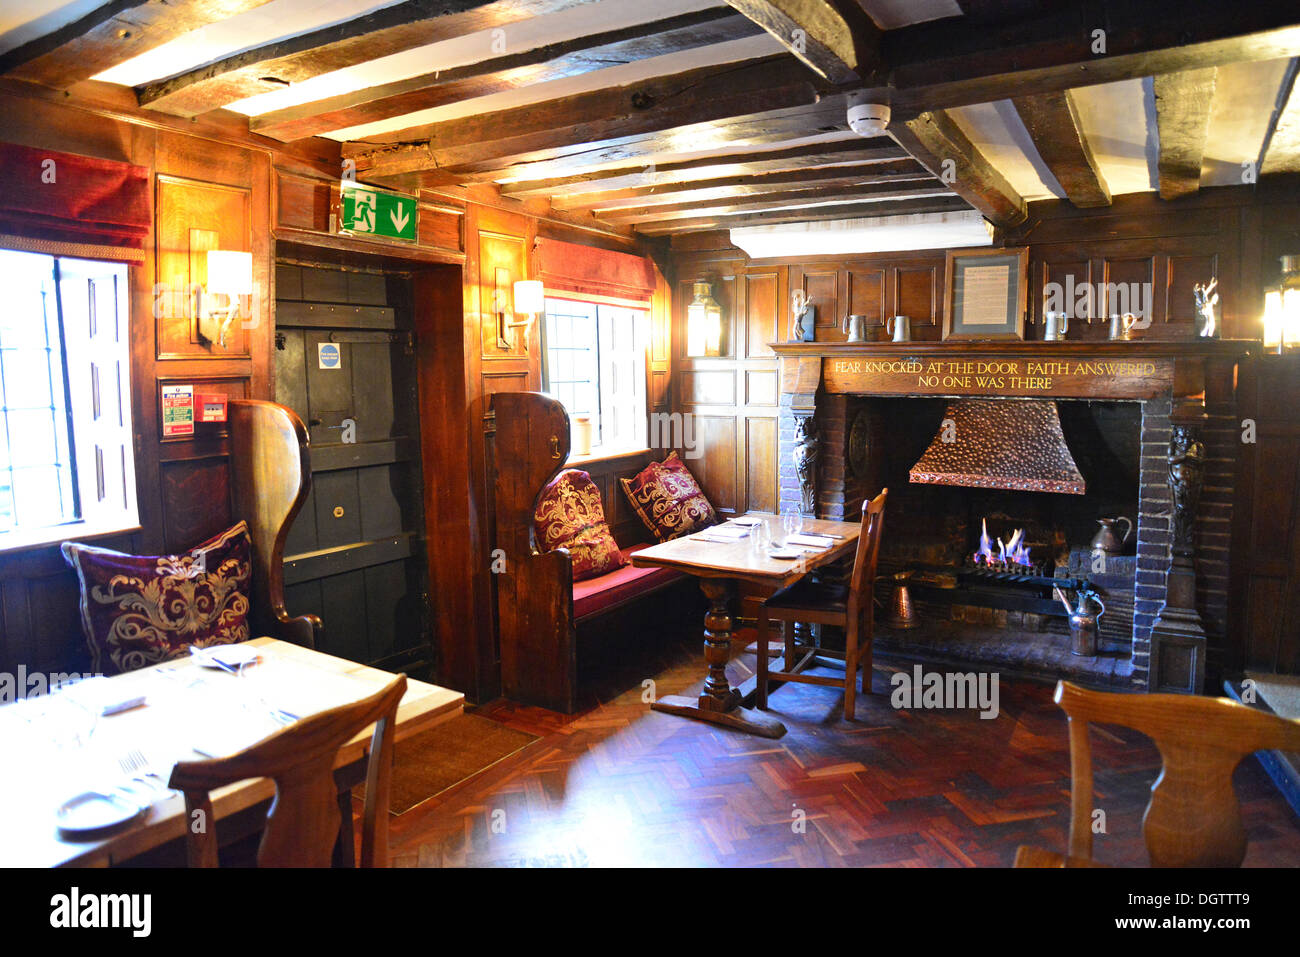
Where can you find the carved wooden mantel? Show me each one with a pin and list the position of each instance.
(1139, 369)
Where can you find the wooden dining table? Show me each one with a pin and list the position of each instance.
(54, 748)
(721, 567)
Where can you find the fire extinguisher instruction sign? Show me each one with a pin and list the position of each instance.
(328, 355)
(177, 410)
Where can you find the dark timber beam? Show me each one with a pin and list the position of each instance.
(870, 174)
(941, 147)
(692, 111)
(1053, 125)
(1183, 102)
(407, 166)
(111, 34)
(380, 33)
(791, 197)
(551, 61)
(879, 150)
(838, 43)
(950, 62)
(814, 214)
(1280, 151)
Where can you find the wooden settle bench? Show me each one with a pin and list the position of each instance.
(542, 614)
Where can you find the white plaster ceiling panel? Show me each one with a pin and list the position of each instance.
(997, 131)
(518, 37)
(275, 20)
(1244, 97)
(892, 14)
(730, 52)
(739, 150)
(727, 159)
(29, 19)
(1118, 120)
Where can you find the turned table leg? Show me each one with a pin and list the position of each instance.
(718, 695)
(718, 702)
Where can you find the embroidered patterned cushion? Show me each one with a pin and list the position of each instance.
(569, 515)
(140, 609)
(668, 499)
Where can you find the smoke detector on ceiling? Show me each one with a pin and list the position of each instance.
(867, 117)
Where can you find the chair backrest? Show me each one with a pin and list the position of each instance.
(304, 821)
(1193, 819)
(863, 578)
(270, 468)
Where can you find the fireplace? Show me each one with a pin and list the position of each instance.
(1102, 450)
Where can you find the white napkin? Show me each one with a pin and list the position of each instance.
(732, 533)
(813, 541)
(101, 695)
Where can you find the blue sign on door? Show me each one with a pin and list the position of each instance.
(328, 355)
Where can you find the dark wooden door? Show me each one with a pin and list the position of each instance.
(345, 362)
(1265, 630)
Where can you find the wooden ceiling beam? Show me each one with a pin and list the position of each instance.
(940, 146)
(838, 42)
(541, 64)
(811, 156)
(870, 174)
(111, 34)
(948, 63)
(772, 200)
(380, 33)
(1053, 124)
(940, 204)
(759, 100)
(1280, 151)
(1183, 103)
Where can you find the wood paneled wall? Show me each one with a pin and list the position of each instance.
(209, 186)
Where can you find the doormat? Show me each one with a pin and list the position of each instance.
(442, 757)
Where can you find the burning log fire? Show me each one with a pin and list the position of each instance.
(1010, 553)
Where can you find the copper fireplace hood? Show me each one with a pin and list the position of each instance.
(1009, 444)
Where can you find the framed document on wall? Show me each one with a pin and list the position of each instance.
(986, 293)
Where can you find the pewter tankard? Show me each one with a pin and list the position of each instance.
(856, 327)
(1055, 326)
(900, 327)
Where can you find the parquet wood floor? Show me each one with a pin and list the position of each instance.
(620, 785)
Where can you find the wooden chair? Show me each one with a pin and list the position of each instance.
(1193, 819)
(850, 607)
(305, 819)
(270, 468)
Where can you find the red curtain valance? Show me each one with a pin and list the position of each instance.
(602, 272)
(71, 205)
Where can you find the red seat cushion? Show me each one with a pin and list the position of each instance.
(668, 499)
(598, 594)
(137, 610)
(570, 515)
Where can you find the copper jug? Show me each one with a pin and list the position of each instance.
(1107, 541)
(901, 614)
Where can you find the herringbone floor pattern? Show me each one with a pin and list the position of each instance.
(620, 785)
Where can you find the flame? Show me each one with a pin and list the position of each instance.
(1013, 551)
(985, 554)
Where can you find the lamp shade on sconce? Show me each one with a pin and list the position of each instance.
(530, 297)
(1282, 309)
(230, 273)
(704, 323)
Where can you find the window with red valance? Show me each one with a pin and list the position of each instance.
(64, 204)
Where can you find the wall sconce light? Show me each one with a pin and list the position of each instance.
(230, 274)
(704, 323)
(530, 300)
(1282, 309)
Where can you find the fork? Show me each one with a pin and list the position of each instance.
(136, 766)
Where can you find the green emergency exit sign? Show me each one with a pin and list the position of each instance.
(376, 212)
